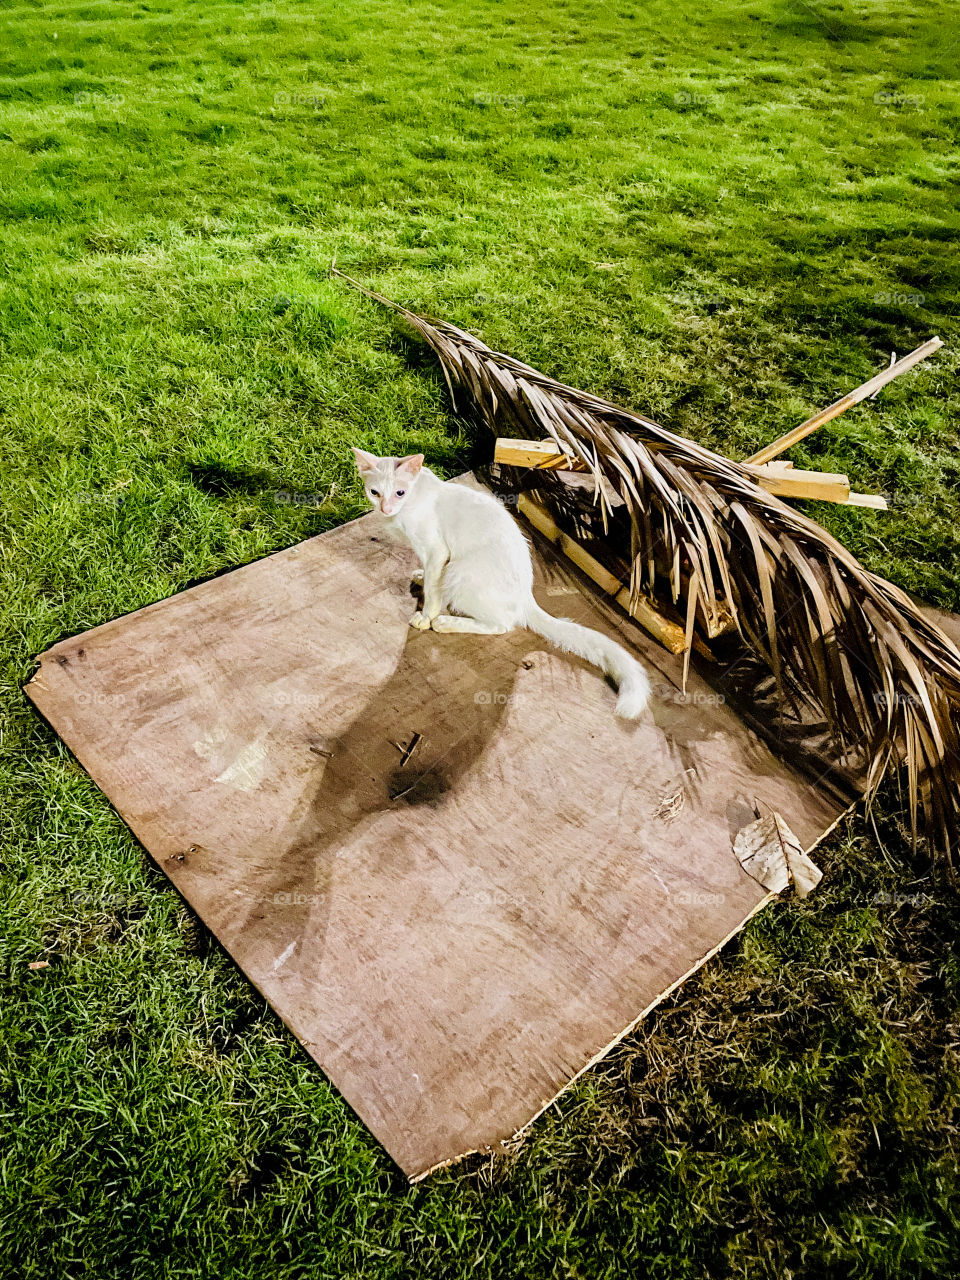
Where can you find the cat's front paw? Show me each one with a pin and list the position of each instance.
(420, 621)
(417, 577)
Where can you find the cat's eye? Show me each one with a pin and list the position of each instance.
(374, 493)
(400, 492)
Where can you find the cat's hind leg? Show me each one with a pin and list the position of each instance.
(454, 622)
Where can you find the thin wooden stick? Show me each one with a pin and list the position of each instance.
(845, 402)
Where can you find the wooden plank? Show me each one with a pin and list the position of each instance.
(538, 455)
(450, 950)
(543, 521)
(667, 633)
(781, 479)
(827, 486)
(863, 392)
(785, 481)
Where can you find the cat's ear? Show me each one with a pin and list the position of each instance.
(365, 461)
(410, 466)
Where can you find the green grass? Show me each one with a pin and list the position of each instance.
(721, 215)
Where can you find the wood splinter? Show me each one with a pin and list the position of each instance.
(407, 751)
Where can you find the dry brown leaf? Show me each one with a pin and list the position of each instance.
(839, 639)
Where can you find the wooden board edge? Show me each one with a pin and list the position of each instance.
(632, 1026)
(608, 1048)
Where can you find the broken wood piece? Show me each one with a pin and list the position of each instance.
(539, 455)
(407, 751)
(783, 480)
(668, 633)
(874, 500)
(863, 392)
(827, 486)
(719, 622)
(769, 852)
(780, 478)
(893, 360)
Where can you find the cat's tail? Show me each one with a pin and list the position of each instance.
(612, 659)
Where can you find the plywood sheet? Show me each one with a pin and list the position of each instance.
(455, 931)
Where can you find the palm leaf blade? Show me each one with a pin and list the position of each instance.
(833, 634)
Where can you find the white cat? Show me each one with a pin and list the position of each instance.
(477, 571)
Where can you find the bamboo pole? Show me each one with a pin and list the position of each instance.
(844, 403)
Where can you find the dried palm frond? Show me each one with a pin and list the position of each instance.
(837, 638)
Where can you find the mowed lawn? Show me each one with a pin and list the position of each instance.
(722, 215)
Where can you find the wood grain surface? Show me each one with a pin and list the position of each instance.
(452, 872)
